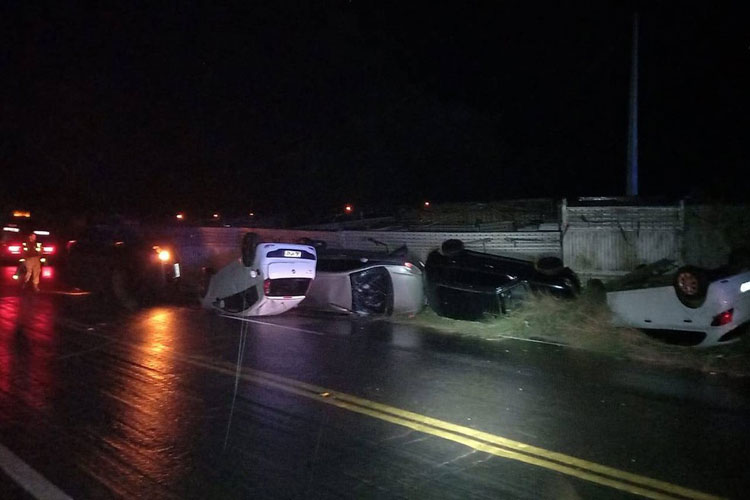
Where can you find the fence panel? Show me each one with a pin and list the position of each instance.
(522, 244)
(610, 241)
(596, 241)
(215, 246)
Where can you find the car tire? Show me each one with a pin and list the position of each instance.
(596, 290)
(549, 266)
(206, 275)
(249, 242)
(452, 247)
(739, 258)
(690, 285)
(372, 292)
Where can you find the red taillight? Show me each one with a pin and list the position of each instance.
(14, 249)
(267, 286)
(723, 318)
(49, 249)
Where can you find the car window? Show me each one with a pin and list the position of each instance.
(19, 230)
(339, 264)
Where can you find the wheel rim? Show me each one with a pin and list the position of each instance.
(688, 283)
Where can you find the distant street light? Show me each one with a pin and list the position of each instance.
(216, 216)
(348, 208)
(180, 216)
(426, 204)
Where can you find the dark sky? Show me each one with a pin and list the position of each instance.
(265, 105)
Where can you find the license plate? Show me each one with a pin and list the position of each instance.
(292, 253)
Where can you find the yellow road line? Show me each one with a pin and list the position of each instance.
(478, 440)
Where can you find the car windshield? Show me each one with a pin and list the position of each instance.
(340, 264)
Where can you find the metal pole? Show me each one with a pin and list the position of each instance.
(631, 181)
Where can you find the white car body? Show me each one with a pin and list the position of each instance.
(660, 308)
(276, 282)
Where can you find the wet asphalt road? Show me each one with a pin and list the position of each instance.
(152, 404)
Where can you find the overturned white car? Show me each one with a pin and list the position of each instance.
(269, 278)
(705, 307)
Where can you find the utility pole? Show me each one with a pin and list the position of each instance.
(631, 181)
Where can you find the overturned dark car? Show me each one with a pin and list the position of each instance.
(465, 284)
(120, 263)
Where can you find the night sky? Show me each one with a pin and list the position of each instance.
(270, 105)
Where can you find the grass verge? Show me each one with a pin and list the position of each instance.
(585, 324)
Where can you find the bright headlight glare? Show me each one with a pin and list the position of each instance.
(164, 255)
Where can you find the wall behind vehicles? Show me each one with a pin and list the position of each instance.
(608, 241)
(712, 231)
(595, 241)
(217, 246)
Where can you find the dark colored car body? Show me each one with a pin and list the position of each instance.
(121, 263)
(465, 284)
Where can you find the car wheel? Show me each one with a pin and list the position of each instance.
(739, 258)
(596, 290)
(206, 275)
(249, 242)
(691, 285)
(549, 266)
(372, 291)
(450, 248)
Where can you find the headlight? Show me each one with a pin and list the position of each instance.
(162, 254)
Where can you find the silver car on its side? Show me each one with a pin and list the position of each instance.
(366, 283)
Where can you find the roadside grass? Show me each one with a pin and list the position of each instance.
(585, 323)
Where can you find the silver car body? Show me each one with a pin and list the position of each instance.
(276, 282)
(659, 308)
(335, 291)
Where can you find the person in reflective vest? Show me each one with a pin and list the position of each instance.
(32, 253)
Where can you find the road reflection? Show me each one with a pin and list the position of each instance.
(28, 348)
(151, 409)
(156, 418)
(9, 278)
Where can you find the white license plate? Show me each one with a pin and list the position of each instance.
(292, 253)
